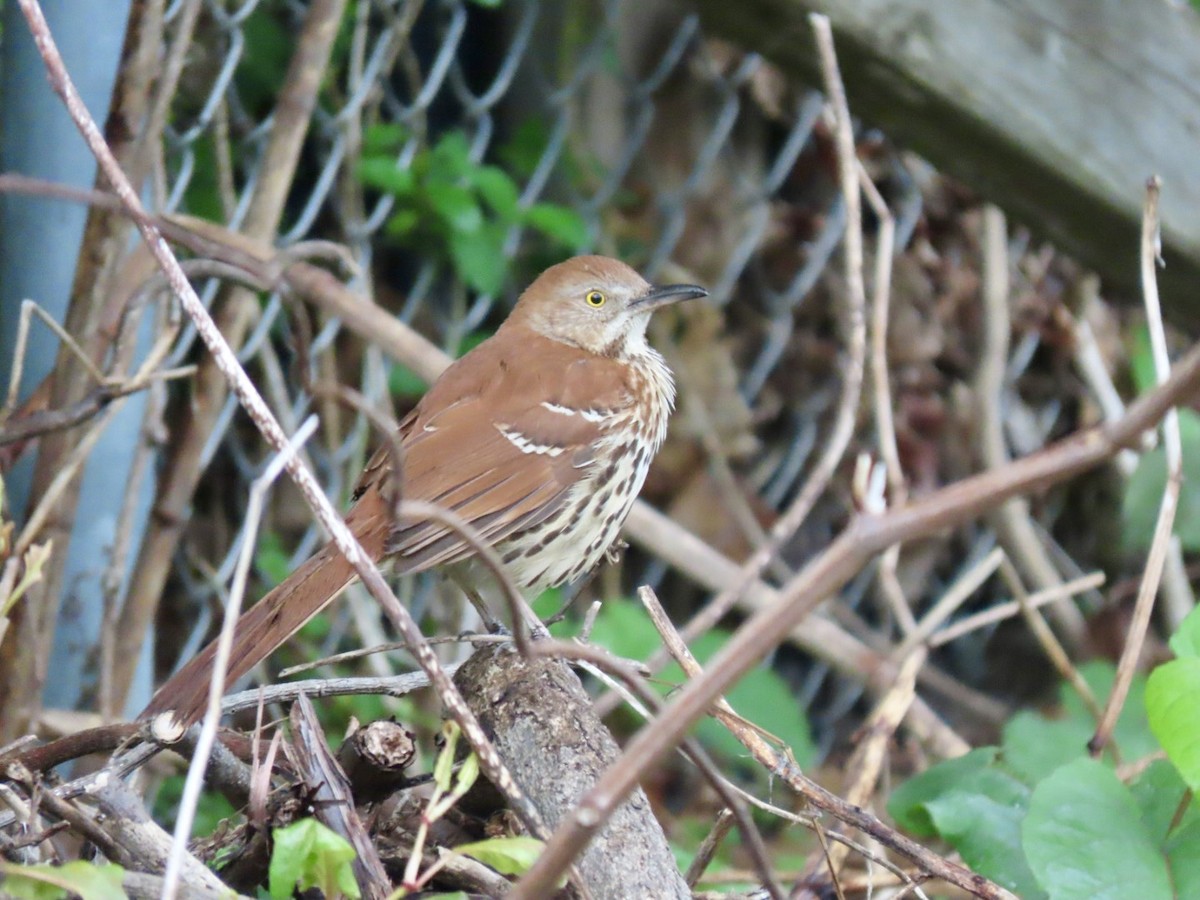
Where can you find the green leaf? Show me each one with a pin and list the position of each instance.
(309, 855)
(471, 340)
(404, 382)
(1158, 791)
(1035, 746)
(383, 138)
(402, 223)
(1173, 702)
(498, 190)
(1085, 840)
(380, 172)
(1185, 642)
(508, 856)
(1184, 859)
(455, 205)
(450, 158)
(1141, 360)
(45, 882)
(467, 775)
(761, 696)
(443, 766)
(261, 72)
(523, 151)
(1144, 492)
(211, 809)
(479, 257)
(907, 803)
(271, 559)
(559, 223)
(202, 197)
(623, 628)
(982, 818)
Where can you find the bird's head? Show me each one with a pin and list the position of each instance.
(597, 304)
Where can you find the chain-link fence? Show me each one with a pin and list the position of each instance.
(455, 149)
(612, 126)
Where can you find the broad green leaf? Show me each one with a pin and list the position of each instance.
(907, 803)
(1143, 494)
(624, 629)
(508, 856)
(1183, 857)
(522, 152)
(479, 257)
(760, 696)
(1085, 840)
(309, 855)
(45, 882)
(982, 818)
(455, 205)
(1034, 745)
(1173, 700)
(560, 223)
(1158, 791)
(1185, 642)
(450, 158)
(498, 190)
(380, 172)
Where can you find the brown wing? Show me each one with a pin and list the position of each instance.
(493, 441)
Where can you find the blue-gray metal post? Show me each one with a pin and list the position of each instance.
(39, 245)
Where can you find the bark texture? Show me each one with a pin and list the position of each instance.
(541, 721)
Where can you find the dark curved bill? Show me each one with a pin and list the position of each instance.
(669, 293)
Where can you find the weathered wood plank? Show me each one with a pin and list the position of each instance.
(1057, 110)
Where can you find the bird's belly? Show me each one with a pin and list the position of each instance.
(570, 542)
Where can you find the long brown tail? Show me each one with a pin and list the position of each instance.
(259, 631)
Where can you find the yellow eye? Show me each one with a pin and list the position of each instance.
(594, 299)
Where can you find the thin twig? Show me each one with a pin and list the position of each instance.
(1002, 611)
(865, 536)
(598, 658)
(1044, 635)
(853, 363)
(1013, 519)
(708, 847)
(863, 769)
(212, 716)
(782, 765)
(658, 534)
(1152, 575)
(250, 398)
(881, 392)
(389, 647)
(962, 588)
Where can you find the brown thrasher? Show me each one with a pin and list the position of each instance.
(540, 438)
